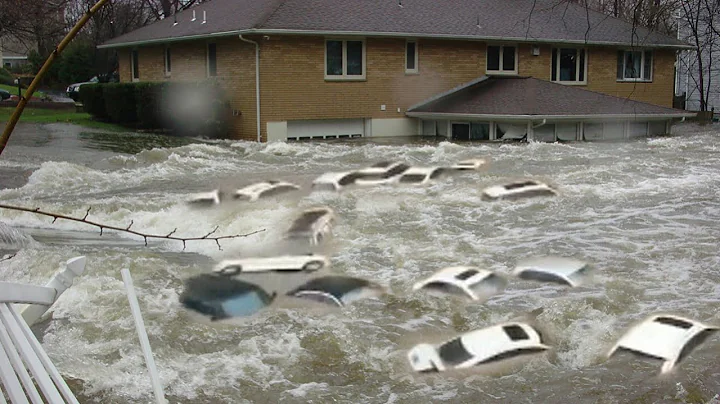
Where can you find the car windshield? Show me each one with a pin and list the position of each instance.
(520, 185)
(412, 178)
(454, 353)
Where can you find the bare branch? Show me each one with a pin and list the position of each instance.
(145, 236)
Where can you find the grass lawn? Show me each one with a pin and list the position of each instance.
(38, 115)
(13, 90)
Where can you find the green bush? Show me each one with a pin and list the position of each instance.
(120, 102)
(91, 96)
(149, 104)
(77, 63)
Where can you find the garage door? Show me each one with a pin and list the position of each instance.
(325, 129)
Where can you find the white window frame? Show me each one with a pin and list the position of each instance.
(502, 50)
(133, 59)
(415, 70)
(642, 66)
(575, 82)
(167, 55)
(345, 76)
(207, 59)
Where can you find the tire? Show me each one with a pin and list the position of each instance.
(313, 266)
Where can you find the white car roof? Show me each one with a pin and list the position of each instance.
(204, 196)
(450, 275)
(489, 342)
(332, 178)
(260, 187)
(661, 336)
(471, 163)
(560, 267)
(379, 170)
(528, 185)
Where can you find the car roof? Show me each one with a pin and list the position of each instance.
(335, 285)
(449, 275)
(204, 195)
(489, 342)
(259, 187)
(332, 177)
(661, 336)
(561, 266)
(420, 170)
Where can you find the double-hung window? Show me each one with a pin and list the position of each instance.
(344, 59)
(501, 59)
(634, 65)
(569, 65)
(411, 57)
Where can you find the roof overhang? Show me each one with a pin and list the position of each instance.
(525, 118)
(255, 31)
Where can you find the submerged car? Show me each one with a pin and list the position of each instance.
(308, 263)
(467, 165)
(336, 290)
(494, 343)
(264, 189)
(221, 298)
(4, 94)
(665, 337)
(563, 270)
(312, 225)
(206, 199)
(466, 281)
(421, 175)
(387, 175)
(335, 181)
(519, 189)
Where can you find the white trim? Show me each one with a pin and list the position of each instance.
(575, 82)
(416, 69)
(344, 76)
(255, 31)
(500, 71)
(640, 79)
(167, 57)
(257, 83)
(441, 115)
(207, 59)
(134, 57)
(15, 57)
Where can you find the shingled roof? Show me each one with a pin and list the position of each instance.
(518, 20)
(527, 97)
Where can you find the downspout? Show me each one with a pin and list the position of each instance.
(544, 121)
(257, 81)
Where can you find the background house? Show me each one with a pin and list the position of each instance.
(342, 68)
(14, 53)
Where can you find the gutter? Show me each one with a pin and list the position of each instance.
(440, 115)
(257, 82)
(255, 31)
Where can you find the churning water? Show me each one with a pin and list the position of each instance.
(645, 213)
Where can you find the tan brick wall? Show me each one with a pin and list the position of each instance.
(293, 84)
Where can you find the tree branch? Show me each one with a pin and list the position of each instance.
(145, 236)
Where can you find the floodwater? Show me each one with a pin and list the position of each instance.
(645, 214)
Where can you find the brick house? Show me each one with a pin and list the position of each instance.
(344, 68)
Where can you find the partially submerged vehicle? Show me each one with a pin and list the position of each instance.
(471, 282)
(666, 337)
(336, 290)
(219, 298)
(495, 343)
(563, 270)
(469, 165)
(518, 189)
(421, 175)
(206, 199)
(308, 263)
(313, 225)
(388, 175)
(335, 181)
(264, 189)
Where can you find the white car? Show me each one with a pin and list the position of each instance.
(264, 189)
(205, 199)
(567, 271)
(519, 189)
(421, 175)
(477, 347)
(386, 176)
(472, 282)
(313, 224)
(336, 290)
(471, 164)
(664, 337)
(335, 181)
(308, 263)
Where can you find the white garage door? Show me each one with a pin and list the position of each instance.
(325, 129)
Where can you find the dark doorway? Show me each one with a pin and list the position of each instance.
(460, 131)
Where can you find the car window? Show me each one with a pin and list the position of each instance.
(412, 178)
(437, 173)
(515, 333)
(382, 164)
(511, 354)
(517, 185)
(398, 169)
(318, 296)
(543, 277)
(445, 287)
(463, 276)
(491, 284)
(675, 322)
(349, 179)
(454, 353)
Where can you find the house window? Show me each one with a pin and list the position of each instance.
(501, 59)
(134, 65)
(344, 60)
(634, 66)
(212, 60)
(411, 57)
(167, 61)
(569, 65)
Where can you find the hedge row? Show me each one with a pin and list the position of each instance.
(190, 109)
